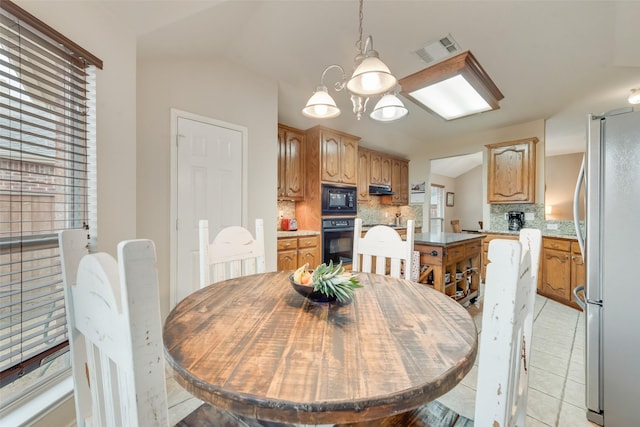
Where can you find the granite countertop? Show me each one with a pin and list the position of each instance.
(396, 227)
(297, 233)
(444, 239)
(545, 233)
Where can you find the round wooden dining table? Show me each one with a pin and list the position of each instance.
(255, 347)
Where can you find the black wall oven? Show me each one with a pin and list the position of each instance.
(337, 240)
(339, 200)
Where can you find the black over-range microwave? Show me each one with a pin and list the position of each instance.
(339, 200)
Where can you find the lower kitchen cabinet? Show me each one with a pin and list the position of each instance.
(563, 270)
(561, 267)
(294, 252)
(485, 249)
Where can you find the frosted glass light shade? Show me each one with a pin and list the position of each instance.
(371, 77)
(634, 98)
(321, 105)
(388, 109)
(453, 88)
(452, 98)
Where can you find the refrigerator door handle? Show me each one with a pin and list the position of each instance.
(580, 300)
(576, 209)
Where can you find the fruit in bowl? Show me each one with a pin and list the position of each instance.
(324, 283)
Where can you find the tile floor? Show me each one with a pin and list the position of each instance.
(556, 383)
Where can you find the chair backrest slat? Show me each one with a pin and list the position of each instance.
(233, 253)
(383, 243)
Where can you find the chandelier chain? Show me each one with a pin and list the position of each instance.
(359, 43)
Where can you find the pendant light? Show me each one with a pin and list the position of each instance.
(371, 77)
(388, 109)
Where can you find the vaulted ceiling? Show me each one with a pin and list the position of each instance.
(552, 60)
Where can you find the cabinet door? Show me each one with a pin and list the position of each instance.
(511, 172)
(578, 270)
(403, 187)
(364, 162)
(310, 256)
(556, 274)
(349, 161)
(330, 157)
(385, 170)
(287, 260)
(282, 167)
(375, 171)
(396, 179)
(294, 172)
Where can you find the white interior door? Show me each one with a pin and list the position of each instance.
(209, 172)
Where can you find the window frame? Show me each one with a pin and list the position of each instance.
(60, 383)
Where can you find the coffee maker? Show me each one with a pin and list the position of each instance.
(515, 220)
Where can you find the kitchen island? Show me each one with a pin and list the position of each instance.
(451, 263)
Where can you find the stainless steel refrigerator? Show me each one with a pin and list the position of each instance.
(612, 257)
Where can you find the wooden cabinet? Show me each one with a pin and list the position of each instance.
(511, 171)
(578, 272)
(338, 158)
(452, 268)
(331, 156)
(556, 269)
(399, 183)
(380, 169)
(293, 252)
(485, 249)
(364, 173)
(290, 163)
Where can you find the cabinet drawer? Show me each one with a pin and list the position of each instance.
(455, 253)
(473, 249)
(575, 248)
(559, 245)
(307, 242)
(288, 243)
(429, 255)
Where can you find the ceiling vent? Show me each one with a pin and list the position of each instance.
(439, 49)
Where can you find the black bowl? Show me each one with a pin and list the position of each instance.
(308, 292)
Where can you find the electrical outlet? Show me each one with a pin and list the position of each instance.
(530, 216)
(506, 216)
(552, 226)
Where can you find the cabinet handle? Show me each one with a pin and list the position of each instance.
(434, 253)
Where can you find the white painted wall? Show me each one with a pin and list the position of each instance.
(469, 199)
(215, 89)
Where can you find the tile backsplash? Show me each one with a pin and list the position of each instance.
(499, 222)
(371, 212)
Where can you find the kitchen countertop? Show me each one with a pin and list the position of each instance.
(297, 233)
(545, 233)
(444, 239)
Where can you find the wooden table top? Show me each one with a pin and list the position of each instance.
(255, 347)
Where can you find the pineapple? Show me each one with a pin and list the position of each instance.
(331, 281)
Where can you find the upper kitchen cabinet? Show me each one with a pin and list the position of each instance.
(364, 173)
(380, 169)
(512, 171)
(290, 163)
(338, 155)
(399, 183)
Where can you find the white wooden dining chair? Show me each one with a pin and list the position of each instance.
(113, 319)
(384, 244)
(233, 253)
(505, 343)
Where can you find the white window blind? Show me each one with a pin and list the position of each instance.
(46, 84)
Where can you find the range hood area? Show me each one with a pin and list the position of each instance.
(380, 190)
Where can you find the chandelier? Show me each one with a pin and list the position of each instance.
(371, 77)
